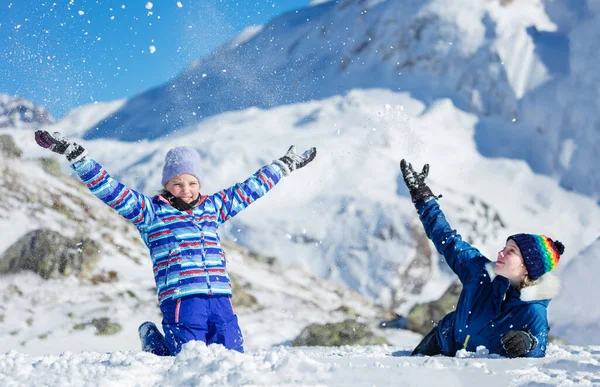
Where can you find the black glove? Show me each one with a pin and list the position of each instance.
(416, 182)
(518, 343)
(61, 145)
(292, 161)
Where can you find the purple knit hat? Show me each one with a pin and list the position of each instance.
(181, 160)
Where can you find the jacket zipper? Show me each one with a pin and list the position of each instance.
(171, 254)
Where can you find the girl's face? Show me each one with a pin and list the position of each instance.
(185, 187)
(510, 263)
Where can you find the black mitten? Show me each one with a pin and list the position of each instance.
(292, 161)
(60, 144)
(415, 182)
(518, 343)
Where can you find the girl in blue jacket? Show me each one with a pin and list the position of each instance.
(179, 226)
(503, 304)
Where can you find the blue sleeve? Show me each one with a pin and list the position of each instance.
(538, 327)
(460, 256)
(131, 205)
(229, 202)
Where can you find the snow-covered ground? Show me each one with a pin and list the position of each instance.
(199, 365)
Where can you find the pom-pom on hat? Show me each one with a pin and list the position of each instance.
(540, 253)
(182, 160)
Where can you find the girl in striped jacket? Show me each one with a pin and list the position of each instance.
(179, 226)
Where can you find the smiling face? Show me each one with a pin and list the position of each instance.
(185, 187)
(510, 263)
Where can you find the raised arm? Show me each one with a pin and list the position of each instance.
(131, 205)
(463, 259)
(229, 202)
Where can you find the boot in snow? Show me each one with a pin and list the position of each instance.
(152, 340)
(399, 322)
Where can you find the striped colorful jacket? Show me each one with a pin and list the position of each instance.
(184, 245)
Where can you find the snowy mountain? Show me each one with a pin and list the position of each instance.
(347, 217)
(500, 97)
(559, 134)
(521, 66)
(17, 112)
(577, 318)
(424, 47)
(77, 121)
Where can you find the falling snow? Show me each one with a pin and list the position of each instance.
(568, 359)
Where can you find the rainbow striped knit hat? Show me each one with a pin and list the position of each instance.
(540, 253)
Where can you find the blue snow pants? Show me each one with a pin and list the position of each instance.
(201, 317)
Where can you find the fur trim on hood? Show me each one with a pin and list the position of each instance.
(545, 288)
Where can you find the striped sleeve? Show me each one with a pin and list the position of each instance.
(229, 202)
(130, 204)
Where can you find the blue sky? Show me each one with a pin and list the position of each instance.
(80, 51)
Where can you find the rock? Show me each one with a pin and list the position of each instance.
(347, 332)
(271, 261)
(104, 326)
(8, 147)
(51, 255)
(105, 277)
(418, 271)
(51, 166)
(241, 298)
(423, 317)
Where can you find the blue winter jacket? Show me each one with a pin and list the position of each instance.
(185, 247)
(488, 306)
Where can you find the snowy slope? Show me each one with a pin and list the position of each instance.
(40, 316)
(526, 68)
(562, 117)
(431, 49)
(558, 130)
(17, 112)
(347, 217)
(575, 311)
(80, 119)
